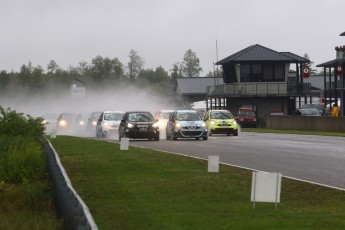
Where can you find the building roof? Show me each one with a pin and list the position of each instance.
(259, 53)
(295, 56)
(196, 85)
(329, 63)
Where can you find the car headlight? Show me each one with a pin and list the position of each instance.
(130, 125)
(155, 125)
(234, 122)
(81, 123)
(213, 122)
(203, 124)
(106, 123)
(161, 123)
(94, 123)
(178, 125)
(62, 123)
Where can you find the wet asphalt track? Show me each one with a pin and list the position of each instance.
(318, 159)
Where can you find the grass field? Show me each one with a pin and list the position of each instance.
(146, 189)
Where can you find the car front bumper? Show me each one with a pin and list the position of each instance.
(191, 133)
(136, 133)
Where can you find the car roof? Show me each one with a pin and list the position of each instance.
(139, 111)
(166, 110)
(109, 111)
(219, 110)
(186, 110)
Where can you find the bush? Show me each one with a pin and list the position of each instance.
(22, 162)
(21, 153)
(16, 124)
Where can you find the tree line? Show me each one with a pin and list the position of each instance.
(99, 73)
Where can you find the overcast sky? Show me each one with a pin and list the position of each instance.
(161, 31)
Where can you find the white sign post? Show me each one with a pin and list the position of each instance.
(266, 187)
(53, 133)
(124, 143)
(213, 163)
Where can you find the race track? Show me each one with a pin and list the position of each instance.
(318, 159)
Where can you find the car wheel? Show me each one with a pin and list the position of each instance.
(228, 134)
(174, 137)
(236, 134)
(157, 138)
(210, 133)
(204, 138)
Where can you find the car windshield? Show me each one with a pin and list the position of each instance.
(309, 111)
(308, 106)
(82, 116)
(222, 115)
(95, 115)
(140, 117)
(113, 116)
(188, 116)
(246, 113)
(65, 116)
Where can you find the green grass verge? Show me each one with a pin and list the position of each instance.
(146, 189)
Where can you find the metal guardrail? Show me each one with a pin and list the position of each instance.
(70, 207)
(255, 89)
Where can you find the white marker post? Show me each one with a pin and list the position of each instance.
(213, 163)
(266, 187)
(124, 143)
(53, 133)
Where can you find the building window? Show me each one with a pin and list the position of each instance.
(245, 73)
(256, 74)
(279, 72)
(266, 72)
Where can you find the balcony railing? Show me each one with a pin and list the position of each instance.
(259, 89)
(340, 84)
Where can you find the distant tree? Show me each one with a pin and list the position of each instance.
(106, 69)
(25, 74)
(52, 67)
(151, 76)
(310, 64)
(217, 73)
(38, 79)
(83, 68)
(157, 80)
(191, 64)
(4, 80)
(135, 64)
(176, 72)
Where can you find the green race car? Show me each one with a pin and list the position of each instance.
(221, 122)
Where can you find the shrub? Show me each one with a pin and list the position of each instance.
(23, 161)
(21, 153)
(15, 124)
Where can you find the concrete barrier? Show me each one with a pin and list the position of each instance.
(312, 123)
(70, 207)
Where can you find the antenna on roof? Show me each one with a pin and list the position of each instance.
(217, 60)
